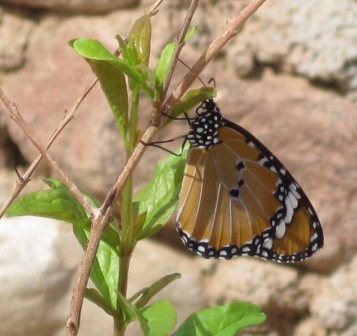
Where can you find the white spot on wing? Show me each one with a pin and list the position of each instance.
(280, 230)
(294, 190)
(293, 201)
(314, 237)
(268, 243)
(201, 249)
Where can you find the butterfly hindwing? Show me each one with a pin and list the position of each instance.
(238, 199)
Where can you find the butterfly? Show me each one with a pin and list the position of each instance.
(238, 199)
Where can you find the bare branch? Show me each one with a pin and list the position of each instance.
(17, 117)
(155, 8)
(225, 35)
(24, 179)
(180, 42)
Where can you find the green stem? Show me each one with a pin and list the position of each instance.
(127, 241)
(120, 324)
(133, 119)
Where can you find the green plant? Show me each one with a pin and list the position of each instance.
(142, 214)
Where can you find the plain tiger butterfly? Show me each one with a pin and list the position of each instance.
(237, 198)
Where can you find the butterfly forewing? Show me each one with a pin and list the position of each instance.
(238, 199)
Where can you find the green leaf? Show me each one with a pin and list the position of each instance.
(163, 64)
(105, 268)
(147, 294)
(92, 49)
(161, 318)
(190, 33)
(60, 204)
(132, 313)
(165, 59)
(114, 87)
(123, 47)
(158, 198)
(190, 100)
(57, 203)
(94, 296)
(226, 320)
(139, 40)
(111, 79)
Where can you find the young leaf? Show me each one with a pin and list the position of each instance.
(139, 40)
(165, 59)
(114, 88)
(226, 320)
(161, 318)
(163, 64)
(111, 79)
(190, 100)
(148, 293)
(132, 313)
(123, 47)
(92, 50)
(159, 197)
(93, 295)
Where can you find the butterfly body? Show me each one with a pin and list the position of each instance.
(238, 199)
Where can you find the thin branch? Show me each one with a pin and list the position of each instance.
(178, 47)
(99, 223)
(25, 178)
(155, 8)
(17, 117)
(225, 35)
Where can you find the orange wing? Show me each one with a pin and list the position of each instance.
(238, 199)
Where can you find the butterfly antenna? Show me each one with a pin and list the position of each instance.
(212, 80)
(182, 62)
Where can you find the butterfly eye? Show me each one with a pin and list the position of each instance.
(238, 199)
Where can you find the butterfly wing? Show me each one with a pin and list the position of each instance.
(238, 199)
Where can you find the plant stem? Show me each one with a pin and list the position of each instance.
(127, 240)
(124, 262)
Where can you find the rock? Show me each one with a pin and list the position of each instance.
(35, 277)
(39, 261)
(335, 303)
(273, 287)
(309, 327)
(75, 6)
(14, 33)
(283, 34)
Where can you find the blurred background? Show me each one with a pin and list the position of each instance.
(289, 77)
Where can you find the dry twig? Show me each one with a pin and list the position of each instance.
(25, 178)
(17, 117)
